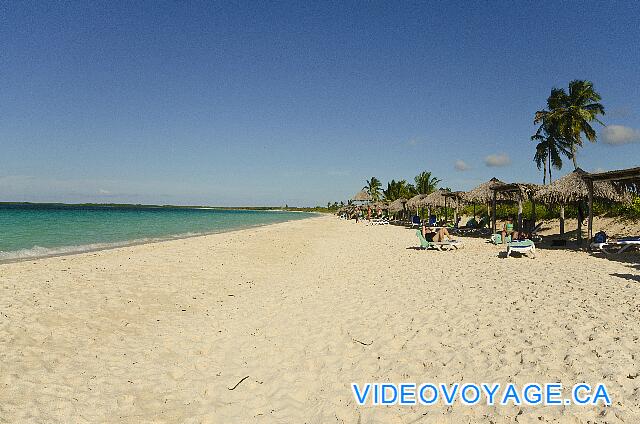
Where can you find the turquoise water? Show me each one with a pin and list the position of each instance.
(32, 230)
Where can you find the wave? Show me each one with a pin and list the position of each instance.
(45, 252)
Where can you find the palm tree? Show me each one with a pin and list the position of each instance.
(549, 148)
(373, 188)
(425, 183)
(397, 189)
(571, 114)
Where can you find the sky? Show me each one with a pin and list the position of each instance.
(298, 103)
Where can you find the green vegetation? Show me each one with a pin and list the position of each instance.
(398, 189)
(426, 183)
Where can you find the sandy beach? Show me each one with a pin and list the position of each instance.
(162, 332)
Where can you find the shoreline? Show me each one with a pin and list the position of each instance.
(129, 243)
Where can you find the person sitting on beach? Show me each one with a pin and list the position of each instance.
(433, 235)
(507, 229)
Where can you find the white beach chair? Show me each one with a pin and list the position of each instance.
(618, 246)
(524, 247)
(438, 245)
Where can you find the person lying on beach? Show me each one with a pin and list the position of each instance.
(430, 234)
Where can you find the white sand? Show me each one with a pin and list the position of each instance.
(160, 332)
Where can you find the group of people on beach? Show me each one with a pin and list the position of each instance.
(508, 230)
(358, 215)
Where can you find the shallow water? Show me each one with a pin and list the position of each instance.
(32, 230)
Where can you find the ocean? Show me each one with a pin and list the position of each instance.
(37, 230)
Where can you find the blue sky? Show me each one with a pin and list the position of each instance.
(187, 102)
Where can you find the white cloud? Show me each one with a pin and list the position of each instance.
(103, 191)
(413, 142)
(498, 159)
(598, 170)
(617, 135)
(461, 165)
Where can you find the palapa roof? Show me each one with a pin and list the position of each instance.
(437, 199)
(361, 196)
(381, 205)
(628, 179)
(482, 193)
(515, 190)
(457, 196)
(573, 187)
(397, 205)
(617, 175)
(413, 203)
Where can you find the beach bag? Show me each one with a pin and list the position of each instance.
(600, 237)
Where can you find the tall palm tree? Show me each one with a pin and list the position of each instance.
(572, 113)
(373, 188)
(426, 183)
(549, 148)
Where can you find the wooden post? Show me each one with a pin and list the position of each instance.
(493, 213)
(561, 219)
(519, 213)
(590, 222)
(533, 213)
(579, 235)
(445, 211)
(455, 216)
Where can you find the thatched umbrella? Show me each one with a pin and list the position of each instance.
(482, 194)
(397, 205)
(437, 199)
(413, 202)
(381, 205)
(573, 188)
(361, 196)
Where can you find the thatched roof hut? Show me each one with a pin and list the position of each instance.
(413, 203)
(379, 204)
(436, 199)
(457, 196)
(483, 192)
(397, 205)
(361, 196)
(573, 188)
(515, 191)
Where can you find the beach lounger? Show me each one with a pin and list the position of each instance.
(496, 238)
(438, 245)
(523, 247)
(415, 220)
(618, 246)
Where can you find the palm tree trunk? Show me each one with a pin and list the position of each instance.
(573, 156)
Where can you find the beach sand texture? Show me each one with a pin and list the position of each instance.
(161, 332)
